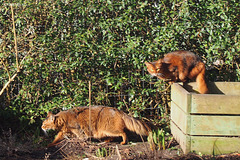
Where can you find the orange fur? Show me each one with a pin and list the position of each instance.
(180, 66)
(105, 122)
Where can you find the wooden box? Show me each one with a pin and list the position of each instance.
(206, 123)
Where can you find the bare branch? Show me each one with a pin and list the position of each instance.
(16, 51)
(15, 39)
(6, 85)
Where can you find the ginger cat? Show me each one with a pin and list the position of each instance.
(105, 122)
(180, 66)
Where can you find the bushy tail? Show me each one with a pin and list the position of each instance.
(135, 125)
(139, 127)
(200, 79)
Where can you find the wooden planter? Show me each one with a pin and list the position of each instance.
(206, 123)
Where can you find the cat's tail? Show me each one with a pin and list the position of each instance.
(139, 127)
(136, 125)
(200, 78)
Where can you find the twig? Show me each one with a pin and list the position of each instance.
(16, 50)
(61, 147)
(126, 105)
(237, 65)
(118, 153)
(24, 58)
(156, 105)
(143, 142)
(5, 86)
(170, 143)
(90, 129)
(166, 88)
(90, 155)
(15, 39)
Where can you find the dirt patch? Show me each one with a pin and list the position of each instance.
(79, 149)
(139, 150)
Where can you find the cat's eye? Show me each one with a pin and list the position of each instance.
(158, 69)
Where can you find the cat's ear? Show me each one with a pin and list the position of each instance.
(159, 61)
(167, 60)
(51, 116)
(148, 64)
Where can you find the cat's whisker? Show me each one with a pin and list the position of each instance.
(160, 75)
(153, 75)
(45, 132)
(156, 75)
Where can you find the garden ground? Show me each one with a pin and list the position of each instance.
(73, 148)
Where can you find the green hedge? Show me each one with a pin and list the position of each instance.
(62, 45)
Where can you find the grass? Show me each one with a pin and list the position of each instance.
(103, 152)
(159, 138)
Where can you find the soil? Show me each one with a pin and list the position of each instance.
(78, 149)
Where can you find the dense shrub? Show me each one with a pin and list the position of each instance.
(62, 45)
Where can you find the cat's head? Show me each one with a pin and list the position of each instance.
(157, 68)
(49, 123)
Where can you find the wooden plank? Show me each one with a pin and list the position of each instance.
(228, 88)
(180, 137)
(181, 97)
(214, 145)
(206, 124)
(205, 144)
(180, 118)
(215, 104)
(215, 125)
(191, 87)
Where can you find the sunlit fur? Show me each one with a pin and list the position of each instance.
(179, 66)
(105, 122)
